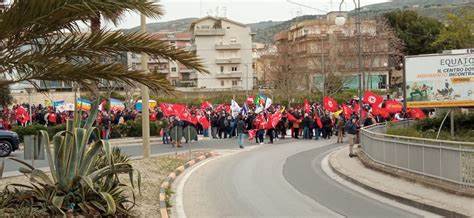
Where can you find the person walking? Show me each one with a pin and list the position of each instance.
(340, 129)
(306, 126)
(166, 130)
(352, 129)
(241, 131)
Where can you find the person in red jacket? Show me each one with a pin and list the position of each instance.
(51, 118)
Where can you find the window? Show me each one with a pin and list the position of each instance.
(234, 69)
(233, 40)
(205, 27)
(234, 82)
(253, 66)
(222, 69)
(222, 83)
(134, 55)
(173, 69)
(228, 27)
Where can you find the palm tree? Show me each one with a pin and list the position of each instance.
(42, 40)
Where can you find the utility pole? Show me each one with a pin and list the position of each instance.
(145, 99)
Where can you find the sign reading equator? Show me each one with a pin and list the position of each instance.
(440, 80)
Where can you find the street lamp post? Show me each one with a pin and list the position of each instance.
(247, 81)
(29, 90)
(340, 21)
(145, 99)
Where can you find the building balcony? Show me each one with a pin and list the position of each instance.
(228, 60)
(220, 46)
(185, 70)
(229, 75)
(209, 32)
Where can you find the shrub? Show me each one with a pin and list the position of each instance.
(28, 130)
(133, 129)
(75, 187)
(55, 129)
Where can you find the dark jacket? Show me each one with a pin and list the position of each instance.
(306, 123)
(240, 126)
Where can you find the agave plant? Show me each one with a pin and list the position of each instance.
(75, 186)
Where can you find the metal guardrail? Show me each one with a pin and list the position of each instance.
(451, 161)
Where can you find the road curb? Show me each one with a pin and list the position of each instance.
(401, 199)
(165, 184)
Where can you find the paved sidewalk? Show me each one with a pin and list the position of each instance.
(411, 193)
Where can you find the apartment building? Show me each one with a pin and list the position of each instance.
(225, 47)
(318, 47)
(175, 72)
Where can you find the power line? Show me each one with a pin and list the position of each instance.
(306, 6)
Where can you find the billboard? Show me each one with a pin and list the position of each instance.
(445, 80)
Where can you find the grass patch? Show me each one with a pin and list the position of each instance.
(460, 135)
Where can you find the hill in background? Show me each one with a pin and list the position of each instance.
(265, 30)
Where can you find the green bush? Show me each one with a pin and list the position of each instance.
(83, 177)
(133, 129)
(55, 129)
(28, 130)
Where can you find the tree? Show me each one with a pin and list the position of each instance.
(5, 96)
(42, 40)
(458, 32)
(417, 32)
(280, 72)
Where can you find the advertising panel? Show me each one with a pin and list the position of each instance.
(434, 81)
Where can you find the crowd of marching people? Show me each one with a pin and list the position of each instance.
(258, 120)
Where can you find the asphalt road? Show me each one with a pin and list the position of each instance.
(283, 179)
(136, 150)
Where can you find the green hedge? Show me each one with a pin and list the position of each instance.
(132, 129)
(129, 129)
(28, 130)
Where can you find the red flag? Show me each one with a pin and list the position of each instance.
(274, 119)
(306, 106)
(167, 109)
(250, 99)
(393, 106)
(220, 108)
(185, 116)
(372, 99)
(318, 121)
(179, 109)
(203, 121)
(383, 112)
(330, 104)
(206, 105)
(22, 115)
(252, 134)
(417, 113)
(194, 120)
(290, 117)
(153, 116)
(375, 111)
(227, 108)
(347, 111)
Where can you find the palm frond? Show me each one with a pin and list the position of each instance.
(33, 18)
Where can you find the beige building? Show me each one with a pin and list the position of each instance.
(178, 74)
(225, 47)
(318, 47)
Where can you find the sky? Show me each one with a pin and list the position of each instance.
(243, 11)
